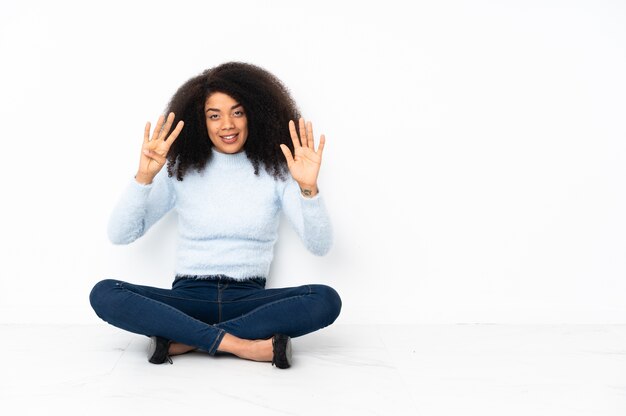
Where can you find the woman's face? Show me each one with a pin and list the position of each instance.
(226, 123)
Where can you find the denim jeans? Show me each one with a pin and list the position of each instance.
(199, 312)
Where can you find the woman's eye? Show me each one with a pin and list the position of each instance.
(213, 117)
(238, 113)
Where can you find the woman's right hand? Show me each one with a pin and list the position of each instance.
(154, 150)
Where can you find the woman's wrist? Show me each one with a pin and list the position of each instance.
(308, 191)
(143, 178)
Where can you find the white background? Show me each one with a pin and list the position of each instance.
(474, 167)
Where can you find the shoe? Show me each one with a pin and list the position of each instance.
(281, 344)
(158, 352)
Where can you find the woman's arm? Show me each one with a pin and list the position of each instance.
(150, 195)
(309, 218)
(139, 207)
(300, 199)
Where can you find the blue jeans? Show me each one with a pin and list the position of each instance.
(199, 312)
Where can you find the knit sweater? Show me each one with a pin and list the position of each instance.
(227, 217)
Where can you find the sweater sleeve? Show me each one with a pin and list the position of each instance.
(308, 217)
(139, 207)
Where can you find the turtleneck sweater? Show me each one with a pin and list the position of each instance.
(228, 217)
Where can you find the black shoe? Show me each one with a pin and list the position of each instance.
(281, 345)
(158, 352)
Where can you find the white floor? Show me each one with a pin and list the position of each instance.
(342, 370)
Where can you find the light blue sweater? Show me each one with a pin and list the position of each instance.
(227, 217)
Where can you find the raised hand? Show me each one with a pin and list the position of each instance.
(154, 150)
(304, 164)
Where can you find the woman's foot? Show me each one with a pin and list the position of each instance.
(177, 348)
(281, 345)
(162, 349)
(255, 350)
(158, 350)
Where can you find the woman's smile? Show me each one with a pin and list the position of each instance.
(230, 139)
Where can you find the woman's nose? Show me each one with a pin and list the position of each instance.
(227, 123)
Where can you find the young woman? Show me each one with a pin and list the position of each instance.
(235, 159)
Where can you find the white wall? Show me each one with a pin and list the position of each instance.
(474, 167)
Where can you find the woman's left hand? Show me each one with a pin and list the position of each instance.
(304, 164)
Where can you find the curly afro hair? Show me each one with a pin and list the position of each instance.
(268, 106)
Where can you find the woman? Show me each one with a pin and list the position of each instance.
(235, 159)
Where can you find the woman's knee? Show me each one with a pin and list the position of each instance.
(330, 300)
(101, 295)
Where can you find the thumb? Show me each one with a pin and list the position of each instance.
(154, 156)
(287, 154)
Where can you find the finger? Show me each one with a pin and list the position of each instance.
(155, 156)
(294, 134)
(146, 133)
(170, 139)
(157, 128)
(309, 135)
(166, 128)
(287, 154)
(320, 148)
(303, 137)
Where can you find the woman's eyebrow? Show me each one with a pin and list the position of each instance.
(218, 110)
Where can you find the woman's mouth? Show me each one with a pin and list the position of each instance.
(232, 138)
